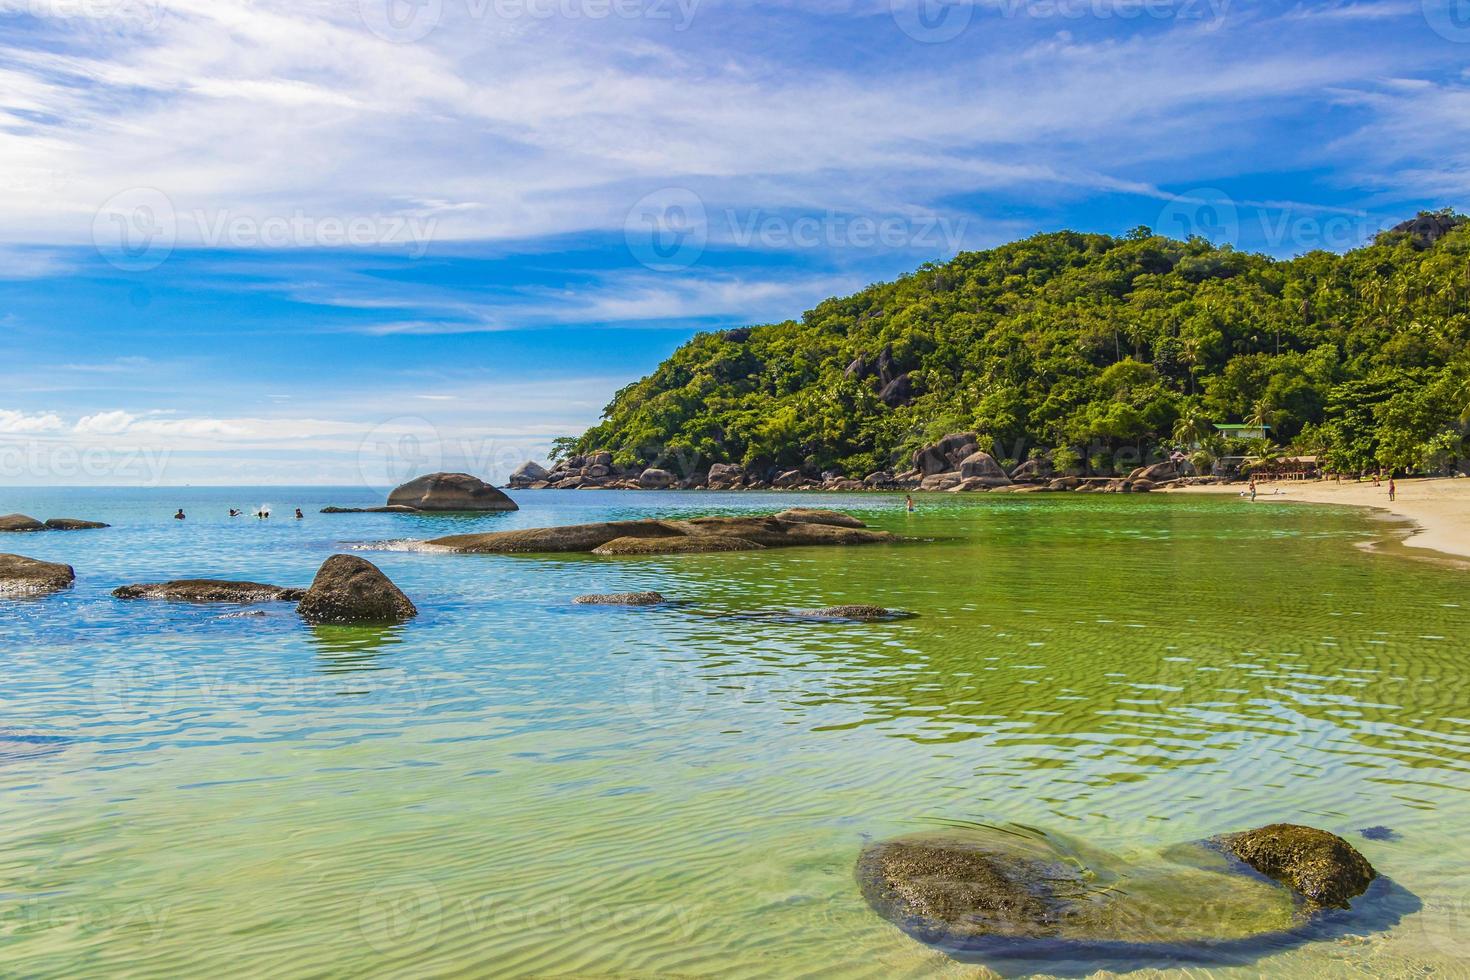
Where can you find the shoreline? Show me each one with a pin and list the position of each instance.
(1437, 507)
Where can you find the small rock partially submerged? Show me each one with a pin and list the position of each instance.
(20, 523)
(209, 590)
(394, 509)
(73, 524)
(22, 576)
(621, 599)
(866, 614)
(700, 534)
(1322, 867)
(348, 589)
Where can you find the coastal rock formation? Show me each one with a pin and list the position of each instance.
(899, 391)
(1323, 867)
(450, 492)
(348, 589)
(982, 466)
(699, 534)
(1164, 472)
(19, 523)
(656, 479)
(702, 544)
(22, 576)
(528, 473)
(725, 476)
(1427, 228)
(809, 515)
(621, 599)
(947, 454)
(209, 590)
(73, 524)
(1032, 469)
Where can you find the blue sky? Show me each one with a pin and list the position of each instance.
(335, 241)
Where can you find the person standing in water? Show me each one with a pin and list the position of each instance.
(1393, 488)
(180, 515)
(908, 502)
(299, 515)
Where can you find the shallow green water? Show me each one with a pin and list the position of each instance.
(512, 785)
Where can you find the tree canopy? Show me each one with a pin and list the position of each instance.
(1082, 343)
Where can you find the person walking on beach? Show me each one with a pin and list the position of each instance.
(1253, 488)
(180, 515)
(908, 502)
(1393, 488)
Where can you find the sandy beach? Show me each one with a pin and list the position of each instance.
(1439, 507)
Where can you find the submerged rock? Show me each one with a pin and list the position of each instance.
(1323, 867)
(1015, 889)
(22, 576)
(450, 492)
(348, 589)
(73, 524)
(621, 599)
(209, 590)
(20, 522)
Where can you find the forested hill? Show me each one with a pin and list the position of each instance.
(1080, 344)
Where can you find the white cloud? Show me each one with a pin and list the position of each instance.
(21, 423)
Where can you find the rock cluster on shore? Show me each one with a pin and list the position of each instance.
(955, 463)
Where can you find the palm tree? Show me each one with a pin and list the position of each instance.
(1192, 427)
(1262, 414)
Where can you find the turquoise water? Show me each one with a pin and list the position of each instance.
(511, 785)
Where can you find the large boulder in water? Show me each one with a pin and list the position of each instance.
(209, 590)
(22, 576)
(20, 522)
(656, 479)
(348, 589)
(1323, 867)
(450, 492)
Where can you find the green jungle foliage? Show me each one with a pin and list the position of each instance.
(1077, 345)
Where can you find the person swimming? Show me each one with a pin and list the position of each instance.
(299, 515)
(180, 515)
(234, 512)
